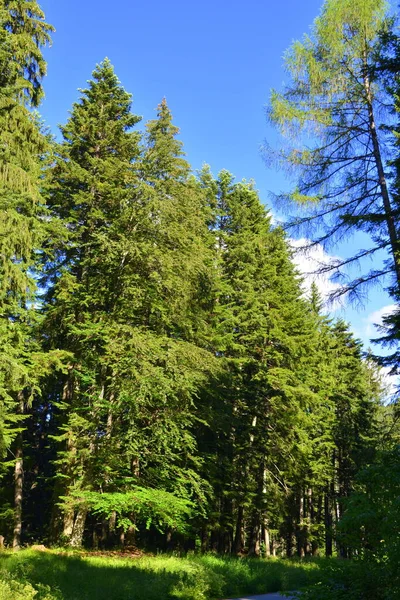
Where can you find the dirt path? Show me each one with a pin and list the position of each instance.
(276, 596)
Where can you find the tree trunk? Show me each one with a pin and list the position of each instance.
(300, 526)
(328, 526)
(79, 527)
(112, 522)
(225, 541)
(308, 523)
(18, 492)
(389, 217)
(68, 524)
(204, 535)
(130, 535)
(62, 521)
(18, 480)
(273, 545)
(95, 539)
(122, 538)
(254, 538)
(267, 539)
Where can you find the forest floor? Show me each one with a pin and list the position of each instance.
(65, 575)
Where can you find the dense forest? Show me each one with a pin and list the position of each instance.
(165, 381)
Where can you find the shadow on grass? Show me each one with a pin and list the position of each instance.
(72, 577)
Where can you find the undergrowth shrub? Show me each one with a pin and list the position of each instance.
(10, 589)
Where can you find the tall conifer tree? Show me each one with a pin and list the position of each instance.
(23, 33)
(118, 302)
(264, 335)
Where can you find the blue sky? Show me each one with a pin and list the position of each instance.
(214, 61)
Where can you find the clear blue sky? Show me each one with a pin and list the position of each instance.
(214, 61)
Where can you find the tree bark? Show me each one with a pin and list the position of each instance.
(238, 544)
(389, 217)
(18, 480)
(273, 543)
(319, 518)
(204, 539)
(61, 522)
(18, 492)
(328, 526)
(267, 539)
(68, 524)
(289, 536)
(79, 527)
(254, 538)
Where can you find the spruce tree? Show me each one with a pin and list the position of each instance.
(118, 302)
(23, 33)
(264, 336)
(341, 429)
(89, 191)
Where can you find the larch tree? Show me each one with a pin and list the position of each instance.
(331, 112)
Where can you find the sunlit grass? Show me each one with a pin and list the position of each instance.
(74, 576)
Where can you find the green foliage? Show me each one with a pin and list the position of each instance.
(333, 113)
(10, 589)
(171, 385)
(23, 228)
(81, 577)
(153, 506)
(125, 298)
(348, 580)
(369, 528)
(263, 332)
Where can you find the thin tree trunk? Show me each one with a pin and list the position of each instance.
(238, 544)
(225, 542)
(319, 519)
(204, 535)
(254, 539)
(95, 539)
(300, 526)
(255, 521)
(62, 522)
(122, 538)
(18, 481)
(130, 535)
(112, 522)
(69, 514)
(309, 522)
(389, 217)
(289, 536)
(18, 492)
(328, 526)
(267, 539)
(273, 545)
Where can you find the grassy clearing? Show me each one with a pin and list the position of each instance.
(70, 576)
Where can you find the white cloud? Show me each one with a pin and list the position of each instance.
(375, 319)
(390, 382)
(370, 330)
(309, 261)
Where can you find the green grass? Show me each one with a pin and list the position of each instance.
(71, 576)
